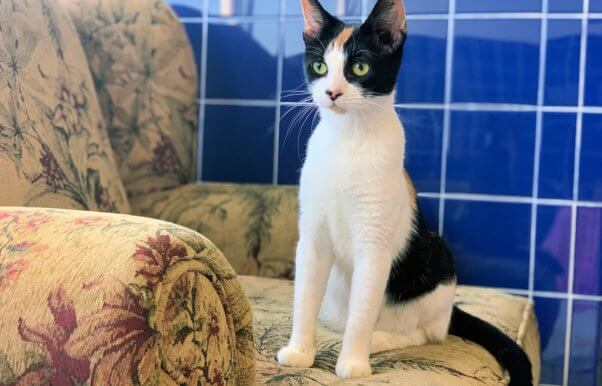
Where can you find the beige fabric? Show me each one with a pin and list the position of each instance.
(455, 362)
(103, 299)
(145, 75)
(53, 148)
(254, 225)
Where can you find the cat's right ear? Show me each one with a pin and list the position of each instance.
(316, 18)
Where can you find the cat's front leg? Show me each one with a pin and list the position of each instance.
(370, 274)
(312, 267)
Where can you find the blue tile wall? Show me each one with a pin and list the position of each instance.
(562, 62)
(557, 155)
(496, 62)
(488, 152)
(517, 192)
(499, 231)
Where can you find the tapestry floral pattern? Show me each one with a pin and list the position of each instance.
(53, 143)
(145, 74)
(450, 363)
(254, 225)
(175, 318)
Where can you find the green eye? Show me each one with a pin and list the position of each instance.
(319, 68)
(360, 69)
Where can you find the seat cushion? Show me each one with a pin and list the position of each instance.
(254, 225)
(454, 362)
(54, 149)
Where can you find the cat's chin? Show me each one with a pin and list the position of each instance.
(337, 109)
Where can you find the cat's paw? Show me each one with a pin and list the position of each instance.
(353, 368)
(296, 357)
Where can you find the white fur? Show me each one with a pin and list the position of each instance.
(355, 218)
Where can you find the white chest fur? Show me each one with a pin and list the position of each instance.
(353, 180)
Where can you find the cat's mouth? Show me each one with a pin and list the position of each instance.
(337, 109)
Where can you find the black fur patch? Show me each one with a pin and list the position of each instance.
(424, 265)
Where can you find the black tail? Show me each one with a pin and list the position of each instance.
(507, 352)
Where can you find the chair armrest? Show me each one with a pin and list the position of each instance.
(114, 299)
(254, 225)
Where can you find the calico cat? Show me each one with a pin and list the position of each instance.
(365, 255)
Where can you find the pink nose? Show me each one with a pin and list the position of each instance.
(333, 95)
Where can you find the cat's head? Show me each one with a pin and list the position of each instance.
(347, 66)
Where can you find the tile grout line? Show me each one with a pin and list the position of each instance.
(447, 112)
(419, 16)
(202, 91)
(279, 80)
(543, 44)
(576, 178)
(502, 107)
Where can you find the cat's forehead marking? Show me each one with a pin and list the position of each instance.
(342, 38)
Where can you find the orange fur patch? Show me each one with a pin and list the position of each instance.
(342, 38)
(411, 189)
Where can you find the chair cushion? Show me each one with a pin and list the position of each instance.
(454, 362)
(254, 225)
(54, 150)
(146, 78)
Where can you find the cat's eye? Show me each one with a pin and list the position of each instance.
(319, 68)
(360, 69)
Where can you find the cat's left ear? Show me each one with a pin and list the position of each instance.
(388, 22)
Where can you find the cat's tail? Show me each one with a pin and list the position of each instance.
(507, 352)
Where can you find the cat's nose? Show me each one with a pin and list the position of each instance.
(333, 95)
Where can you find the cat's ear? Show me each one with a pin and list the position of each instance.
(388, 22)
(316, 17)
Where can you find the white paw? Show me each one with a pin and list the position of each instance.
(353, 368)
(296, 357)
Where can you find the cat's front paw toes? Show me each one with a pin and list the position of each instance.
(353, 368)
(296, 357)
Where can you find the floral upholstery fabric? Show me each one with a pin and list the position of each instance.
(54, 151)
(254, 225)
(145, 75)
(105, 299)
(454, 362)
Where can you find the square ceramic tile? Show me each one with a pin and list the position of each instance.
(562, 62)
(195, 31)
(420, 6)
(294, 88)
(490, 242)
(422, 75)
(430, 212)
(552, 248)
(564, 6)
(242, 60)
(595, 5)
(187, 8)
(498, 6)
(491, 153)
(557, 157)
(496, 61)
(259, 8)
(585, 367)
(238, 144)
(424, 130)
(593, 71)
(296, 125)
(590, 181)
(551, 318)
(588, 253)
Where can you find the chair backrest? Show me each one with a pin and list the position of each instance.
(145, 75)
(54, 151)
